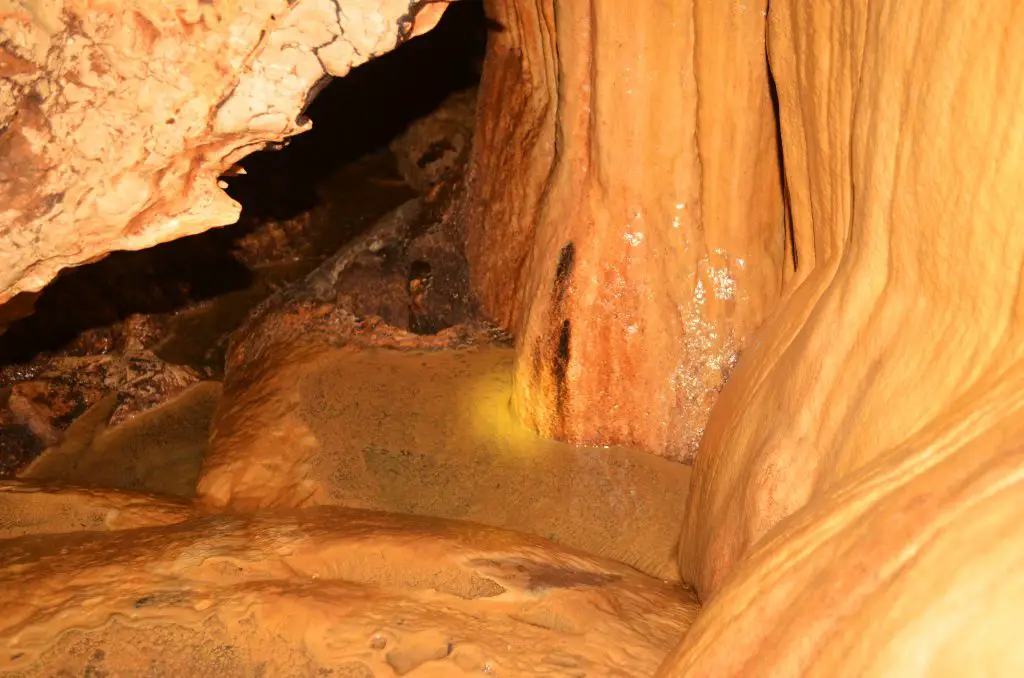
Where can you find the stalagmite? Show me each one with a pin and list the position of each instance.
(625, 212)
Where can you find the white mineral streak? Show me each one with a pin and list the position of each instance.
(708, 352)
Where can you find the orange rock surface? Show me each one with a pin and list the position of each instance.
(625, 210)
(327, 592)
(428, 432)
(905, 314)
(855, 505)
(910, 566)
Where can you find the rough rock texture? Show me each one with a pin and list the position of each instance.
(438, 145)
(159, 451)
(44, 398)
(625, 210)
(327, 592)
(908, 309)
(116, 119)
(405, 275)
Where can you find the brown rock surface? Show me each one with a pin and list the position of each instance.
(430, 433)
(438, 145)
(625, 213)
(159, 451)
(906, 314)
(327, 592)
(34, 509)
(406, 272)
(118, 118)
(46, 396)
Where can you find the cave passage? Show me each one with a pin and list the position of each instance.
(300, 203)
(134, 329)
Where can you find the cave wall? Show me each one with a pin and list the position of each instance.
(625, 210)
(117, 118)
(903, 136)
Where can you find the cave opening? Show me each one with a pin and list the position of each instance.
(348, 142)
(179, 302)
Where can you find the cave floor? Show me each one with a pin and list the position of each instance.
(346, 510)
(421, 433)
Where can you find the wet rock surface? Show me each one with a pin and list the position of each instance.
(325, 591)
(429, 432)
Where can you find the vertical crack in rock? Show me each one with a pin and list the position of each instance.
(559, 368)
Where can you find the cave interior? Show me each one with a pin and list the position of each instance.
(570, 339)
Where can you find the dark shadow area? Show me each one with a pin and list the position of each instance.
(360, 113)
(790, 236)
(353, 117)
(157, 280)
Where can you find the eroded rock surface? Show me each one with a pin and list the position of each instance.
(437, 146)
(118, 119)
(328, 592)
(47, 396)
(404, 277)
(159, 451)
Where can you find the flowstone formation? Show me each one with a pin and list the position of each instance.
(649, 213)
(625, 211)
(322, 592)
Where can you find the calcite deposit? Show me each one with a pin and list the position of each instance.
(326, 592)
(625, 210)
(905, 313)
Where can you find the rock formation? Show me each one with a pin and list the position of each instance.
(323, 592)
(855, 508)
(116, 119)
(633, 220)
(905, 313)
(625, 210)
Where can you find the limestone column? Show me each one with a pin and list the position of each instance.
(624, 215)
(903, 135)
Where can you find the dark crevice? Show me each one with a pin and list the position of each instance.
(333, 172)
(566, 262)
(790, 233)
(560, 367)
(360, 113)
